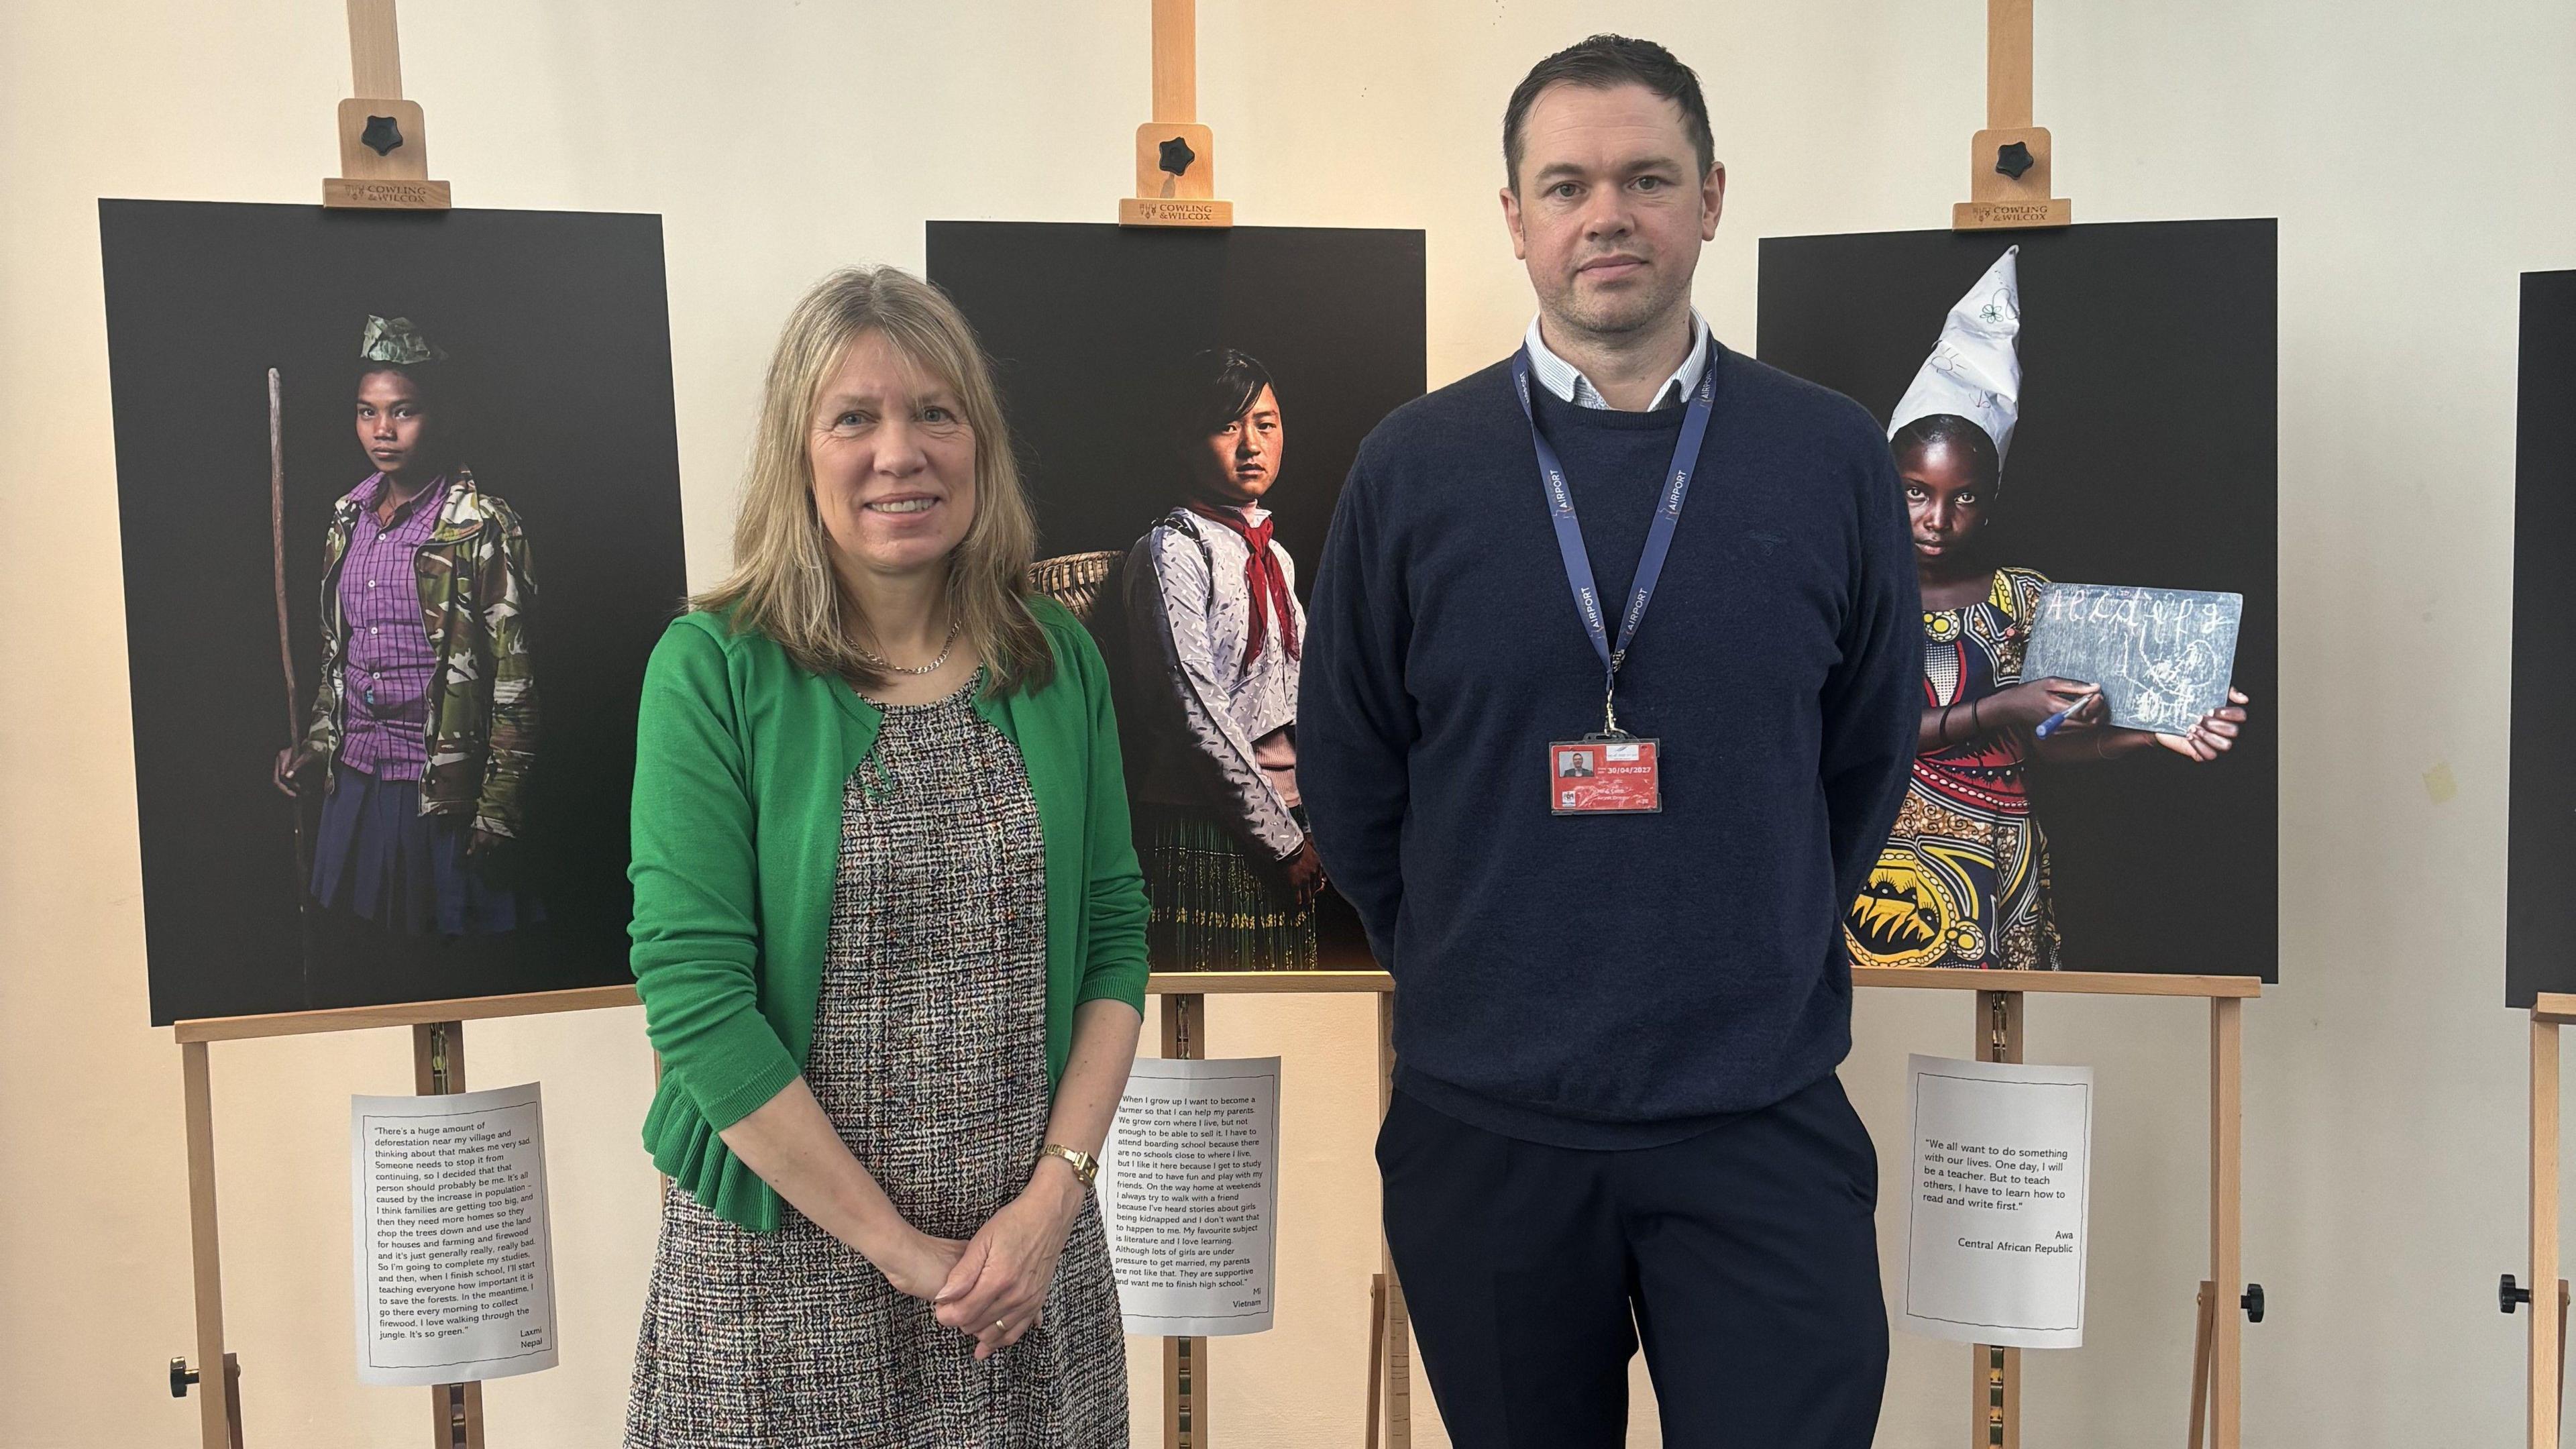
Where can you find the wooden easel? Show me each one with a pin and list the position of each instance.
(1185, 1365)
(438, 1067)
(1994, 1397)
(384, 139)
(2008, 161)
(2009, 185)
(2546, 1363)
(1175, 155)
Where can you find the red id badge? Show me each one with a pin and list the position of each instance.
(1616, 776)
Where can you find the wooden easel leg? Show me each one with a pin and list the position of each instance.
(1398, 1361)
(2226, 1217)
(1376, 1357)
(438, 1068)
(1994, 1397)
(232, 1384)
(2200, 1362)
(218, 1412)
(2547, 1329)
(1185, 1387)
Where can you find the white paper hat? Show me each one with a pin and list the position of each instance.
(1974, 371)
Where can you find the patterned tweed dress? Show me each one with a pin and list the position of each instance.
(929, 1054)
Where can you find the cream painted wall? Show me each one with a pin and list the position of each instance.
(2417, 156)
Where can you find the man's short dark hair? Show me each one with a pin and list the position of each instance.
(1602, 62)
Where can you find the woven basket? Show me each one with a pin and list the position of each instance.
(1075, 579)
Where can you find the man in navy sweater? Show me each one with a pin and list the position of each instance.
(1606, 851)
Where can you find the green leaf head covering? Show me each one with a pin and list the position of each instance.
(397, 342)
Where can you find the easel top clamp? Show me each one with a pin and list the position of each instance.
(2008, 161)
(384, 140)
(1175, 155)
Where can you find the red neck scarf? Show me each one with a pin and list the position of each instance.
(1262, 578)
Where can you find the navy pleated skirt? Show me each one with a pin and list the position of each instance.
(379, 857)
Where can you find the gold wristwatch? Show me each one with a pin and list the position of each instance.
(1085, 1166)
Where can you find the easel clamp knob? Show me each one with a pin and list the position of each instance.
(2509, 1297)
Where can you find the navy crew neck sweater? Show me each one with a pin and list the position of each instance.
(1622, 980)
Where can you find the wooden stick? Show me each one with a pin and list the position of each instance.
(2544, 1361)
(1376, 1359)
(2081, 983)
(401, 1013)
(215, 1412)
(277, 571)
(1161, 983)
(1239, 983)
(232, 1401)
(2007, 64)
(2226, 1216)
(303, 883)
(1398, 1363)
(438, 1068)
(1995, 1395)
(375, 50)
(1176, 60)
(2200, 1363)
(1185, 1391)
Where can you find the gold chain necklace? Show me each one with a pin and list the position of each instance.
(933, 667)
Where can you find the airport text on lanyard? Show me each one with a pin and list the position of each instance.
(1659, 534)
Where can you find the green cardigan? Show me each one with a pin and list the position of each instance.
(741, 755)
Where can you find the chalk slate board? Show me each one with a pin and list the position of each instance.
(2162, 656)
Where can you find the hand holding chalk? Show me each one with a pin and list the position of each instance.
(2056, 704)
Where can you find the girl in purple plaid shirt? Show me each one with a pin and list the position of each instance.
(426, 716)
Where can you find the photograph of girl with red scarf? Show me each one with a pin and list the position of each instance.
(1213, 640)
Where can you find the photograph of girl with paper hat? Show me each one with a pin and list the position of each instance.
(1964, 879)
(1215, 630)
(423, 728)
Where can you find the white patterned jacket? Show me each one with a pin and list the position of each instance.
(1188, 616)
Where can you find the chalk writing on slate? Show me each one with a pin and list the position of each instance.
(2162, 656)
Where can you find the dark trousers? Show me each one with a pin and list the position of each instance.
(1745, 1260)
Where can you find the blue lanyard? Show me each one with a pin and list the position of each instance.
(1659, 534)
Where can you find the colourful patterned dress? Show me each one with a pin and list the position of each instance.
(1963, 880)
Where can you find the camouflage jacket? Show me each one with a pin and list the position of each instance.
(475, 597)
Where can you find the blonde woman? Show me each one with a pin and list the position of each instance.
(889, 931)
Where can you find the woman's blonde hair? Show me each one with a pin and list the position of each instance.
(783, 584)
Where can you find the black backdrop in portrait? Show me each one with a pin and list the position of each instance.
(557, 324)
(2540, 862)
(1089, 325)
(2145, 454)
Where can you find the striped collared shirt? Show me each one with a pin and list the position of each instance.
(1570, 385)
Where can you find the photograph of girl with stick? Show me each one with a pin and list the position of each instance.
(1964, 879)
(424, 724)
(1215, 630)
